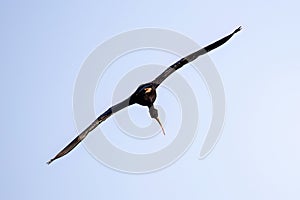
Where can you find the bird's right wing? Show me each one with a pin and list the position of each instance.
(91, 127)
(192, 57)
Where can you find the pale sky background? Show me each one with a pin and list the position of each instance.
(43, 46)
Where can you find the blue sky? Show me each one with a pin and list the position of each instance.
(43, 46)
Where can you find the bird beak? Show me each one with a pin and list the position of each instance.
(160, 125)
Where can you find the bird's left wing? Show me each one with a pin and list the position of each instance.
(91, 127)
(192, 57)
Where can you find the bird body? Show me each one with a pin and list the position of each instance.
(145, 95)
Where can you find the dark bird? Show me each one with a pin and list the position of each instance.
(144, 95)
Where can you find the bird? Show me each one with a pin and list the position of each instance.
(144, 95)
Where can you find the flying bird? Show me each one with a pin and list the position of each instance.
(144, 95)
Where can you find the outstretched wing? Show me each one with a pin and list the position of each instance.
(91, 127)
(191, 57)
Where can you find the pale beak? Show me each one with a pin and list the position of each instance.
(160, 125)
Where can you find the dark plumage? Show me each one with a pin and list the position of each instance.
(145, 95)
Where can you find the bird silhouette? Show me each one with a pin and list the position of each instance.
(144, 95)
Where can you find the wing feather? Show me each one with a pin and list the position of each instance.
(91, 127)
(158, 80)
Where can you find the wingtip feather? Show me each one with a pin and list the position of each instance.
(238, 29)
(49, 162)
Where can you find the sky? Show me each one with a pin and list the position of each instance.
(44, 46)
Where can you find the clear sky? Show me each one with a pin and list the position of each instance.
(43, 46)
